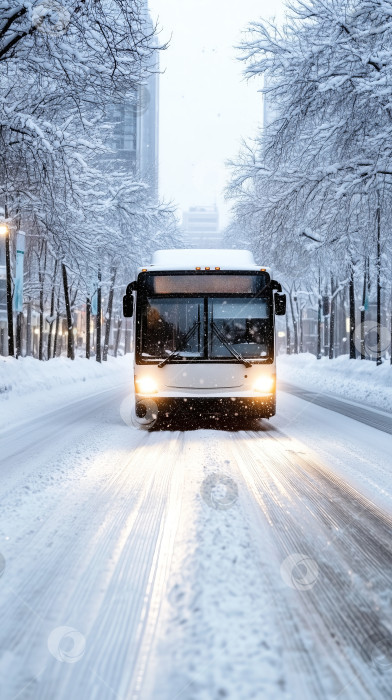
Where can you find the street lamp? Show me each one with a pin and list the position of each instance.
(4, 231)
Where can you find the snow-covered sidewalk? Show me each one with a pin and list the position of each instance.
(353, 380)
(29, 387)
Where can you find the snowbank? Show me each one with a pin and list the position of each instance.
(354, 380)
(29, 387)
(28, 375)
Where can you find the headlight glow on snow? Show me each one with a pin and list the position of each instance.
(264, 384)
(146, 385)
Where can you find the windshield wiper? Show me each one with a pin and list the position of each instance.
(229, 346)
(184, 341)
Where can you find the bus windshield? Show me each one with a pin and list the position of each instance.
(193, 328)
(243, 323)
(166, 324)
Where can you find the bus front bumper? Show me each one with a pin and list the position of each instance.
(241, 403)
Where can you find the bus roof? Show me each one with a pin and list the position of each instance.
(190, 258)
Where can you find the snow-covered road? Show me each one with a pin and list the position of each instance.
(195, 564)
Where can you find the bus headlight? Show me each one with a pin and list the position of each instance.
(265, 384)
(146, 385)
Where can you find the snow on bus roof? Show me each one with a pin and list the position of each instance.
(189, 258)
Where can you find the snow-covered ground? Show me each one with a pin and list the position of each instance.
(190, 564)
(30, 388)
(355, 380)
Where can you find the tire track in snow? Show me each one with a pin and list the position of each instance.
(314, 512)
(372, 417)
(44, 593)
(88, 582)
(33, 443)
(216, 635)
(300, 670)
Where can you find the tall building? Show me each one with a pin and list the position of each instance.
(200, 227)
(134, 125)
(147, 130)
(122, 118)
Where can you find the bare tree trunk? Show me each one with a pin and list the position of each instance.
(41, 277)
(301, 331)
(319, 310)
(295, 325)
(343, 347)
(28, 329)
(353, 353)
(108, 316)
(10, 317)
(379, 348)
(41, 322)
(118, 336)
(88, 322)
(56, 334)
(57, 325)
(52, 319)
(98, 321)
(70, 346)
(127, 338)
(288, 339)
(326, 336)
(332, 322)
(363, 310)
(19, 321)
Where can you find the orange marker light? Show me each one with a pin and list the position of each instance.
(144, 269)
(207, 268)
(217, 268)
(262, 269)
(198, 268)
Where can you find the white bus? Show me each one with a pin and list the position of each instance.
(204, 334)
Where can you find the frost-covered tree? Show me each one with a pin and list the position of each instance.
(62, 67)
(316, 187)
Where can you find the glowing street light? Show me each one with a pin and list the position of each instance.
(3, 229)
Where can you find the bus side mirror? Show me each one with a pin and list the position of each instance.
(128, 305)
(280, 304)
(128, 300)
(276, 286)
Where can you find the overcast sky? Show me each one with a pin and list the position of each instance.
(206, 107)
